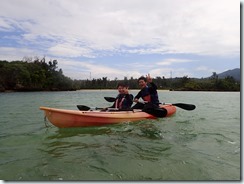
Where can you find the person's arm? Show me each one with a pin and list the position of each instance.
(129, 99)
(137, 97)
(153, 86)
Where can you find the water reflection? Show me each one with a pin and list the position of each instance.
(135, 138)
(142, 128)
(71, 132)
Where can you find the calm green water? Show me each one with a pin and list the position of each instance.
(203, 144)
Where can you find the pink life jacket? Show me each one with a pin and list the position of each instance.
(119, 103)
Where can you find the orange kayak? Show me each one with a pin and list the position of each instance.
(63, 118)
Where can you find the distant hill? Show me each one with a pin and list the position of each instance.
(235, 73)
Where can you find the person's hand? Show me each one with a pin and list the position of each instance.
(149, 79)
(136, 100)
(104, 109)
(126, 91)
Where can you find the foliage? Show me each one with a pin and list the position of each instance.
(183, 84)
(39, 75)
(33, 76)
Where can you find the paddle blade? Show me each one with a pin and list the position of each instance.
(83, 107)
(188, 107)
(110, 99)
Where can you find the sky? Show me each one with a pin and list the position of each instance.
(129, 38)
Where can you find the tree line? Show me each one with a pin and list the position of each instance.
(34, 75)
(41, 75)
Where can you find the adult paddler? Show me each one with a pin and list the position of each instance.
(148, 93)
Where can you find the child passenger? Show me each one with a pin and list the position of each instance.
(124, 100)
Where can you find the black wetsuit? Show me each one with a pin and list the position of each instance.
(123, 101)
(148, 90)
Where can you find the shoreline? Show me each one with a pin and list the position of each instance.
(161, 90)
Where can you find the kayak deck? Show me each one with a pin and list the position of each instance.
(63, 118)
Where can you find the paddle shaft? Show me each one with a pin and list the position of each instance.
(184, 106)
(188, 107)
(86, 108)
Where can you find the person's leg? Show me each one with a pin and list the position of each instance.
(138, 106)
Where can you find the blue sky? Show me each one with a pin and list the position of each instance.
(129, 38)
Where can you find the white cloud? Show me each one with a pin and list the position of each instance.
(11, 53)
(87, 69)
(160, 72)
(4, 25)
(202, 27)
(69, 50)
(202, 68)
(69, 30)
(170, 61)
(206, 69)
(170, 72)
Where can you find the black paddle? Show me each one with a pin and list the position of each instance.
(110, 99)
(188, 107)
(86, 108)
(184, 106)
(157, 112)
